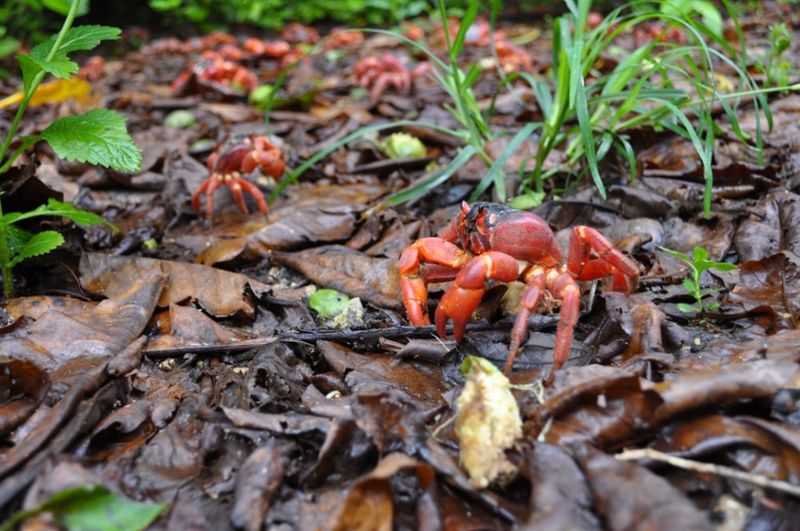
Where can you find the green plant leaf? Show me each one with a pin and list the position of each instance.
(17, 238)
(699, 254)
(97, 137)
(328, 302)
(78, 38)
(58, 209)
(689, 285)
(60, 67)
(62, 6)
(686, 308)
(38, 244)
(92, 508)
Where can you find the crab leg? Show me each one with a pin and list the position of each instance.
(535, 284)
(564, 287)
(610, 261)
(253, 190)
(461, 299)
(425, 250)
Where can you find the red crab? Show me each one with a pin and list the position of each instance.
(297, 33)
(488, 241)
(228, 168)
(342, 38)
(512, 57)
(218, 69)
(387, 71)
(271, 49)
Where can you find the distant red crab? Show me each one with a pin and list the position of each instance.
(387, 71)
(229, 166)
(219, 68)
(297, 33)
(342, 38)
(488, 241)
(271, 49)
(512, 57)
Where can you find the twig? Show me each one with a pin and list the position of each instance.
(710, 468)
(536, 322)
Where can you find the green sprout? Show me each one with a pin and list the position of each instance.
(698, 263)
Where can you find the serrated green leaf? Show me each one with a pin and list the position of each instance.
(74, 214)
(29, 68)
(58, 209)
(17, 238)
(92, 507)
(686, 308)
(39, 244)
(97, 137)
(78, 38)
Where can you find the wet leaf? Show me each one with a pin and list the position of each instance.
(61, 337)
(375, 280)
(221, 293)
(772, 281)
(560, 497)
(629, 496)
(772, 226)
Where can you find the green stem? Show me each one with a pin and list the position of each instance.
(5, 259)
(37, 79)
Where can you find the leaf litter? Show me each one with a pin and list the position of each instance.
(197, 371)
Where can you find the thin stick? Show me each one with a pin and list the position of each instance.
(710, 468)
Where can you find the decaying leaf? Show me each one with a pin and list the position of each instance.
(487, 423)
(375, 280)
(221, 293)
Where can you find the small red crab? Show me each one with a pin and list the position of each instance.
(488, 241)
(270, 49)
(512, 57)
(297, 33)
(217, 68)
(228, 167)
(342, 38)
(387, 71)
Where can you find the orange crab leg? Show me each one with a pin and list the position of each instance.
(234, 184)
(253, 190)
(564, 287)
(463, 297)
(535, 284)
(425, 250)
(609, 261)
(214, 182)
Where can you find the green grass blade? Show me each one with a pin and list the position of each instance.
(582, 111)
(438, 177)
(495, 173)
(293, 175)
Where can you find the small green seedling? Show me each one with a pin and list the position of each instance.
(778, 68)
(403, 146)
(698, 263)
(18, 244)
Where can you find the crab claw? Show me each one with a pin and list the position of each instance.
(457, 304)
(464, 296)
